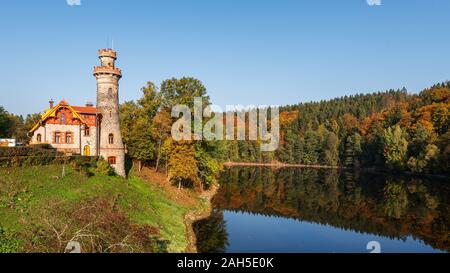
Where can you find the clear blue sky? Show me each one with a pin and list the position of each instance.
(244, 51)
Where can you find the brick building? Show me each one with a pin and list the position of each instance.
(88, 130)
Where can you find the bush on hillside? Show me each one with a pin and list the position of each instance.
(104, 168)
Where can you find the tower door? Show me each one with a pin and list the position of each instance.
(87, 150)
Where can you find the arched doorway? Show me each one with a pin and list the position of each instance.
(87, 150)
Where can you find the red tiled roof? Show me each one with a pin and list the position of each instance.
(85, 109)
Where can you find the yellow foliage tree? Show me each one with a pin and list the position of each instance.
(183, 166)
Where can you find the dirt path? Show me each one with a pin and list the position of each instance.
(194, 216)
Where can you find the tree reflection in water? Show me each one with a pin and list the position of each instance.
(212, 233)
(384, 205)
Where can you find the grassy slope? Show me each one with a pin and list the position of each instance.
(31, 196)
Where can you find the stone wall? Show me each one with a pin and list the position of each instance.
(108, 105)
(74, 129)
(47, 135)
(39, 131)
(90, 141)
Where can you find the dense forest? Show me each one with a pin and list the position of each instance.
(389, 130)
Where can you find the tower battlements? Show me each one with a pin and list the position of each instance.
(107, 53)
(108, 59)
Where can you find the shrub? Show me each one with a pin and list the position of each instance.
(42, 154)
(42, 146)
(28, 156)
(35, 150)
(104, 168)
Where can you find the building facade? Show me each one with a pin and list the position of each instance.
(88, 130)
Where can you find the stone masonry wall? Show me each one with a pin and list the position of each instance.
(108, 106)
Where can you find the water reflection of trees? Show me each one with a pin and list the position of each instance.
(211, 233)
(383, 205)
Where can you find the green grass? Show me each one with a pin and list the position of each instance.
(30, 196)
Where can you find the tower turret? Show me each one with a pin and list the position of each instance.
(110, 143)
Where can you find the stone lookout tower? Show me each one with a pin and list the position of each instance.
(110, 144)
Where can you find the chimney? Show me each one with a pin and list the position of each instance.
(52, 103)
(89, 104)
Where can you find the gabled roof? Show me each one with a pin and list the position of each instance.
(85, 109)
(76, 111)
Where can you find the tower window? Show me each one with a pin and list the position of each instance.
(110, 93)
(112, 160)
(69, 138)
(111, 139)
(39, 138)
(87, 131)
(57, 138)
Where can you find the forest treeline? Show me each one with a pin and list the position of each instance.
(389, 130)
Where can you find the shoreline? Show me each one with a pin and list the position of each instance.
(198, 214)
(281, 165)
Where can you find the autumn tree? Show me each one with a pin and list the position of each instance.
(183, 166)
(162, 123)
(137, 125)
(331, 151)
(353, 150)
(207, 155)
(420, 163)
(311, 150)
(395, 147)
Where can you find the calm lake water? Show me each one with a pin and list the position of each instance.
(294, 210)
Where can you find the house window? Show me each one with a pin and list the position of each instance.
(63, 119)
(111, 139)
(112, 160)
(87, 132)
(39, 138)
(69, 137)
(57, 138)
